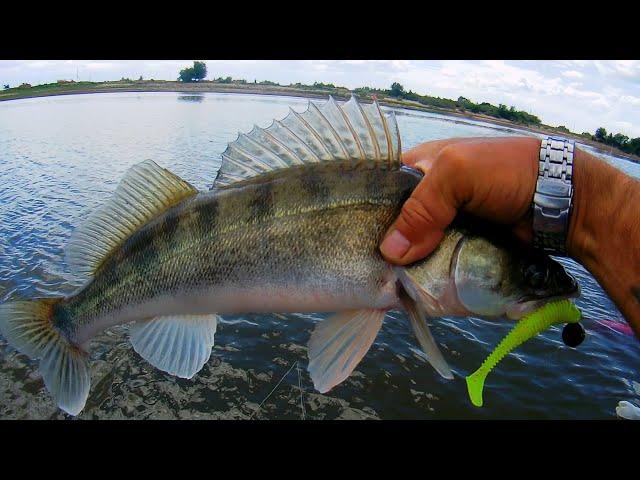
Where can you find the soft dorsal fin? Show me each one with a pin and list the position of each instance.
(351, 132)
(144, 192)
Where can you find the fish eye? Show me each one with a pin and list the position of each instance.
(536, 275)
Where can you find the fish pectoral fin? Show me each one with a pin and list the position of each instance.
(179, 344)
(338, 343)
(418, 319)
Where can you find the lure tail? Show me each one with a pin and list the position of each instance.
(562, 311)
(475, 386)
(28, 327)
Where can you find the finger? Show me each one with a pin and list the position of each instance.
(424, 154)
(424, 216)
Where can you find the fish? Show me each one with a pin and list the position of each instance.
(292, 223)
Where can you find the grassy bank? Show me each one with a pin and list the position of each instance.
(74, 88)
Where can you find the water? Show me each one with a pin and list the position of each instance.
(61, 157)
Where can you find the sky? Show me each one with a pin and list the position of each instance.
(579, 94)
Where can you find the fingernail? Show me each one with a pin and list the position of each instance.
(395, 245)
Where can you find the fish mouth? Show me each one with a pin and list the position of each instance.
(530, 304)
(566, 287)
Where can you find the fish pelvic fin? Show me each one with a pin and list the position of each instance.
(418, 319)
(28, 327)
(351, 133)
(338, 343)
(179, 345)
(146, 191)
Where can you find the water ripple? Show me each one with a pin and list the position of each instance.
(61, 157)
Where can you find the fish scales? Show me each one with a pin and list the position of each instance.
(313, 231)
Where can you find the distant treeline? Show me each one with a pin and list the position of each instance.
(463, 104)
(620, 141)
(397, 91)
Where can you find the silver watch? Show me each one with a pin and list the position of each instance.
(554, 192)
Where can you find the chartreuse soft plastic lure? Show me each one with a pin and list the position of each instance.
(562, 311)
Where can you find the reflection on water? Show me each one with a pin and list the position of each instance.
(61, 157)
(191, 98)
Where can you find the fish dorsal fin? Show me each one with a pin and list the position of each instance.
(352, 132)
(144, 192)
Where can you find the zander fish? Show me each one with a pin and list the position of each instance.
(292, 224)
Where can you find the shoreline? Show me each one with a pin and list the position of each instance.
(84, 88)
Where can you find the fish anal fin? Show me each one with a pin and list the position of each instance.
(179, 344)
(338, 343)
(146, 191)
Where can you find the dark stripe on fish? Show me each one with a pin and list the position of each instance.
(315, 188)
(260, 204)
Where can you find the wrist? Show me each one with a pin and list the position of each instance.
(604, 231)
(596, 205)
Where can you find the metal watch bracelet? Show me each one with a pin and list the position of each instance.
(554, 192)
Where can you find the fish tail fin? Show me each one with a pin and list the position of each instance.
(475, 386)
(28, 326)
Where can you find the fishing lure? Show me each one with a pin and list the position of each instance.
(563, 311)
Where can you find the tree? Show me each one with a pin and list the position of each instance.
(634, 146)
(193, 74)
(619, 139)
(199, 71)
(397, 90)
(6, 87)
(601, 134)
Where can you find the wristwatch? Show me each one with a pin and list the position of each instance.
(554, 192)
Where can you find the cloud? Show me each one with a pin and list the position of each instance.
(572, 74)
(102, 66)
(630, 99)
(40, 64)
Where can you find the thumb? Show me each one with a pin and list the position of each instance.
(424, 217)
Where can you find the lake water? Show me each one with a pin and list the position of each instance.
(61, 157)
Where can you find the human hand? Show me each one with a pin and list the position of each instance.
(491, 178)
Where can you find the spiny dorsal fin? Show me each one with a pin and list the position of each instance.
(351, 132)
(144, 192)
